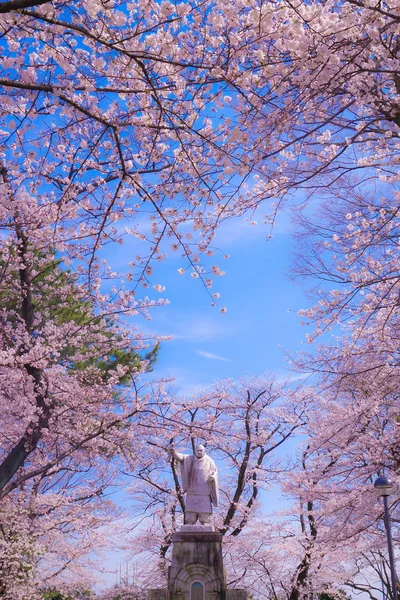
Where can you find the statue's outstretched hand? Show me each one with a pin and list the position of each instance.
(174, 454)
(171, 450)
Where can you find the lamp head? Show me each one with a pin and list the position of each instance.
(383, 486)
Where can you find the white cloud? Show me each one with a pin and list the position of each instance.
(189, 327)
(211, 355)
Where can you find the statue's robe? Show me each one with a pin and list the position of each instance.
(201, 493)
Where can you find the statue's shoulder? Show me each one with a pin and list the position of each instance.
(211, 462)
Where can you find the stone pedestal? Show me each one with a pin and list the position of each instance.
(197, 570)
(197, 557)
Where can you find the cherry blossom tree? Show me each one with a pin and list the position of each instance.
(348, 238)
(353, 432)
(52, 534)
(329, 538)
(245, 426)
(66, 412)
(371, 574)
(111, 121)
(131, 113)
(352, 436)
(49, 396)
(158, 121)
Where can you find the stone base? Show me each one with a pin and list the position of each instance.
(157, 594)
(197, 570)
(197, 556)
(236, 594)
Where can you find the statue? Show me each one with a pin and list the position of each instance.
(199, 482)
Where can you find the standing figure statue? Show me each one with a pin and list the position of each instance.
(199, 482)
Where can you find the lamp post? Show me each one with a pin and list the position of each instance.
(384, 488)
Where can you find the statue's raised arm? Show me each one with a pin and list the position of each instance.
(199, 482)
(176, 455)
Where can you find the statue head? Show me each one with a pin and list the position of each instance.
(199, 451)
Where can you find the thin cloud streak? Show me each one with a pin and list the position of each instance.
(211, 356)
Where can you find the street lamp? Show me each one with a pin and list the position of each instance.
(384, 487)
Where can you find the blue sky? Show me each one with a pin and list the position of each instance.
(261, 318)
